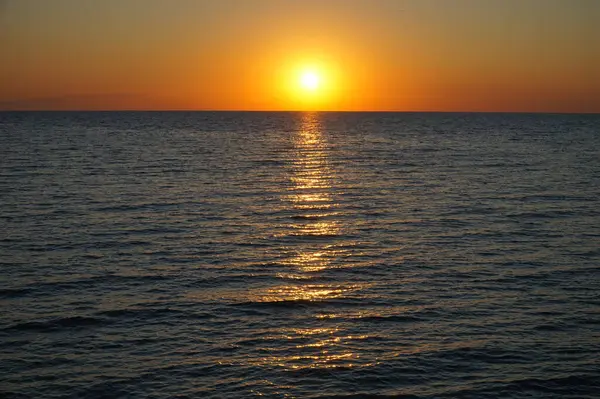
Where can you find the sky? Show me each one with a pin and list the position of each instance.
(368, 55)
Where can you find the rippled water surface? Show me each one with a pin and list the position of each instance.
(290, 255)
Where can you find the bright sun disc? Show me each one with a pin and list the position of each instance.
(309, 80)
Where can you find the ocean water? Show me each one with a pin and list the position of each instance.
(299, 255)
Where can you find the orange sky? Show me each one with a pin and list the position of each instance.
(411, 55)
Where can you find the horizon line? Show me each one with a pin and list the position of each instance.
(308, 111)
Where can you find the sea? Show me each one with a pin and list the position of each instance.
(299, 255)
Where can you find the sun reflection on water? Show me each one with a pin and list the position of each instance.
(308, 292)
(312, 198)
(316, 348)
(313, 244)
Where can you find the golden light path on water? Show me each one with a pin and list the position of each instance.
(314, 223)
(315, 232)
(311, 196)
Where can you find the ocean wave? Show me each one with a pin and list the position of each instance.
(57, 324)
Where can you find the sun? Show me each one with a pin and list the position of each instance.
(310, 80)
(309, 86)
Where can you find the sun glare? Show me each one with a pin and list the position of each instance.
(310, 86)
(309, 80)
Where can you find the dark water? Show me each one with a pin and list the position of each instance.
(288, 255)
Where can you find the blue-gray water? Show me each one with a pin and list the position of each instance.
(290, 255)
